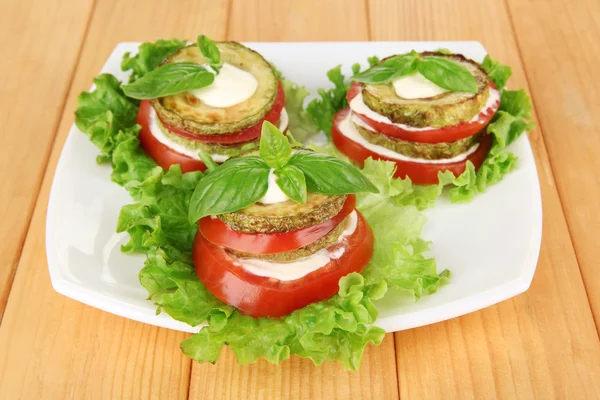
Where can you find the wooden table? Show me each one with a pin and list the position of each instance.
(542, 344)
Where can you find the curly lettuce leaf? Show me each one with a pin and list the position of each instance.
(498, 72)
(174, 287)
(398, 256)
(394, 190)
(330, 101)
(336, 329)
(301, 124)
(160, 215)
(510, 122)
(149, 56)
(317, 116)
(103, 112)
(130, 163)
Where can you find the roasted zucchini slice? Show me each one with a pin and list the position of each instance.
(233, 149)
(428, 151)
(446, 109)
(185, 111)
(302, 252)
(284, 217)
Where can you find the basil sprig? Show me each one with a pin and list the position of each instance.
(445, 73)
(173, 78)
(211, 52)
(169, 79)
(240, 182)
(234, 185)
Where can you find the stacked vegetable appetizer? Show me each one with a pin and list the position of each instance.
(279, 229)
(427, 112)
(211, 98)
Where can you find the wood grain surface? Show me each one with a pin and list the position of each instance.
(569, 113)
(542, 344)
(39, 57)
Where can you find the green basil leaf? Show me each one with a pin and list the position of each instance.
(390, 69)
(211, 165)
(210, 51)
(291, 181)
(447, 74)
(274, 147)
(234, 185)
(329, 175)
(169, 79)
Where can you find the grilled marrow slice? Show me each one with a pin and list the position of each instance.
(224, 149)
(186, 111)
(428, 151)
(308, 250)
(446, 109)
(284, 217)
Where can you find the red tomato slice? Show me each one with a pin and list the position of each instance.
(446, 134)
(217, 232)
(249, 134)
(163, 155)
(420, 173)
(260, 296)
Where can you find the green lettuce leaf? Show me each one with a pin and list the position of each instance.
(330, 101)
(160, 215)
(301, 124)
(149, 56)
(498, 72)
(336, 329)
(130, 163)
(174, 287)
(398, 253)
(102, 113)
(317, 116)
(510, 122)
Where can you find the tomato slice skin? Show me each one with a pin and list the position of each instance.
(218, 233)
(163, 155)
(446, 134)
(266, 297)
(246, 135)
(419, 173)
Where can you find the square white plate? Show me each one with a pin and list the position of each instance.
(491, 245)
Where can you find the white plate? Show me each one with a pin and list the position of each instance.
(491, 245)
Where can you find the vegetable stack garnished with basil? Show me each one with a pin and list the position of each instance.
(427, 112)
(278, 227)
(206, 97)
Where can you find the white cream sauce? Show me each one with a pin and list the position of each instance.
(358, 106)
(348, 129)
(304, 266)
(416, 86)
(231, 86)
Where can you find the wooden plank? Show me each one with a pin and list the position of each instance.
(41, 44)
(296, 20)
(541, 344)
(297, 378)
(559, 48)
(51, 346)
